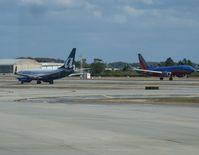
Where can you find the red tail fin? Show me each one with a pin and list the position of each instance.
(143, 64)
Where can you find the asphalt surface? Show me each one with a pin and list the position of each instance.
(99, 117)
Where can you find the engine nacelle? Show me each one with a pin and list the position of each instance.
(180, 75)
(24, 79)
(166, 74)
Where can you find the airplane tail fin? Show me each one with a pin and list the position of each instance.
(70, 61)
(143, 64)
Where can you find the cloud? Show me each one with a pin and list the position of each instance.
(148, 2)
(134, 11)
(141, 12)
(52, 3)
(59, 5)
(32, 2)
(67, 2)
(160, 16)
(89, 5)
(97, 13)
(120, 19)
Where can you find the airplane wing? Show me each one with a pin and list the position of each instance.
(152, 72)
(148, 71)
(79, 72)
(82, 69)
(75, 74)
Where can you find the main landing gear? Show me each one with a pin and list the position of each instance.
(38, 82)
(171, 78)
(51, 82)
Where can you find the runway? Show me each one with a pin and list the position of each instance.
(117, 90)
(100, 117)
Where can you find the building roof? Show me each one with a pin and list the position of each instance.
(8, 61)
(17, 61)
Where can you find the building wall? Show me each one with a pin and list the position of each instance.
(6, 69)
(21, 64)
(27, 64)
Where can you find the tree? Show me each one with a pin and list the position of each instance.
(169, 62)
(97, 67)
(186, 62)
(84, 64)
(161, 64)
(127, 68)
(97, 60)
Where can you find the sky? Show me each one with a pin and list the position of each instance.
(113, 30)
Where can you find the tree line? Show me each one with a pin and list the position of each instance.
(43, 59)
(169, 62)
(99, 68)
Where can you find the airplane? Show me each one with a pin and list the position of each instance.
(167, 71)
(48, 75)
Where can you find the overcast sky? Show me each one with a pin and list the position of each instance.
(112, 30)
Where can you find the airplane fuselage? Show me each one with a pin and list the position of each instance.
(43, 75)
(166, 71)
(48, 75)
(179, 71)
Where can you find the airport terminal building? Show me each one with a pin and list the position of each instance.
(7, 66)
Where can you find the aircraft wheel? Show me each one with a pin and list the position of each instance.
(38, 82)
(51, 82)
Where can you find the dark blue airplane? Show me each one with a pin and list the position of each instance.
(170, 71)
(48, 75)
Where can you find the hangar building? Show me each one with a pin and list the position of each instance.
(8, 66)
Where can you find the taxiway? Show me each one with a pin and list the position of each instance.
(99, 117)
